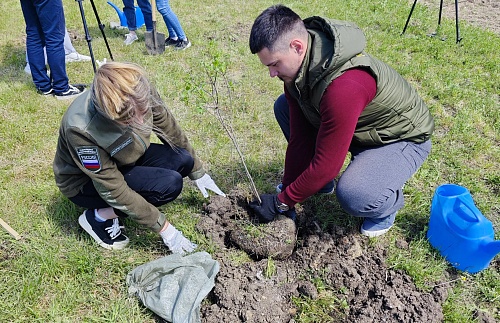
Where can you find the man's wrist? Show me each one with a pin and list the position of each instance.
(280, 206)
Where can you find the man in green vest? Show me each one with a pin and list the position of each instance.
(339, 99)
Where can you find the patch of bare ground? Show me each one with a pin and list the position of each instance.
(480, 13)
(342, 259)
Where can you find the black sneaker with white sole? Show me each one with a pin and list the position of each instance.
(71, 93)
(182, 44)
(107, 234)
(171, 42)
(46, 93)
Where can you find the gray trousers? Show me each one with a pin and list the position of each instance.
(372, 184)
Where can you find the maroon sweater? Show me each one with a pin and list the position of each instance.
(315, 156)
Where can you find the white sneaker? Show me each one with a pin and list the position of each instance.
(76, 57)
(130, 38)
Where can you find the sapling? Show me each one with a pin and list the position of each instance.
(218, 85)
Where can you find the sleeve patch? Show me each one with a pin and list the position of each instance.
(89, 156)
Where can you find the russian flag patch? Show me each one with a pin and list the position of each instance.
(89, 156)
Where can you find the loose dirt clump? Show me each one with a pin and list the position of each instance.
(276, 239)
(285, 259)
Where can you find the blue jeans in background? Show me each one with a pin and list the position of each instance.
(129, 11)
(45, 27)
(171, 20)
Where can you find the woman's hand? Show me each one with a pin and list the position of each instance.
(206, 182)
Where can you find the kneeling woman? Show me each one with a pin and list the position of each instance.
(106, 163)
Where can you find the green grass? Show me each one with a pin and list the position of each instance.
(325, 307)
(57, 274)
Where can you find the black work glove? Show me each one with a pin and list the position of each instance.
(292, 214)
(266, 211)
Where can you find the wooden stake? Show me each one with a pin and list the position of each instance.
(9, 229)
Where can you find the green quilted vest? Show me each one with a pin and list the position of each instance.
(396, 113)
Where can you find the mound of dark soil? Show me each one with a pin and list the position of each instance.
(366, 288)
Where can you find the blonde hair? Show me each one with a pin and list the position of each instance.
(121, 91)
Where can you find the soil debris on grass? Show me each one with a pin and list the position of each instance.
(285, 261)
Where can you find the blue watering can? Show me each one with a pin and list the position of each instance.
(139, 17)
(460, 231)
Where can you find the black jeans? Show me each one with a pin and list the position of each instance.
(157, 176)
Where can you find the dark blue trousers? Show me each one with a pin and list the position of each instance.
(45, 27)
(129, 11)
(157, 176)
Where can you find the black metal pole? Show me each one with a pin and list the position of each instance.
(439, 18)
(409, 16)
(101, 27)
(440, 12)
(87, 34)
(456, 22)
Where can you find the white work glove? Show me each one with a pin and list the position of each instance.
(99, 63)
(206, 182)
(176, 241)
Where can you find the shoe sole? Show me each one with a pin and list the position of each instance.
(130, 43)
(68, 97)
(373, 234)
(183, 48)
(327, 193)
(376, 233)
(82, 220)
(71, 60)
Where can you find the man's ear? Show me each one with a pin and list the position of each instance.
(298, 46)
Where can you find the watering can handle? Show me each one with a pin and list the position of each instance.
(467, 213)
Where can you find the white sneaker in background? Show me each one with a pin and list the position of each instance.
(130, 38)
(70, 58)
(27, 69)
(116, 25)
(182, 44)
(76, 57)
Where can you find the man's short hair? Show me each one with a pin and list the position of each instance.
(271, 25)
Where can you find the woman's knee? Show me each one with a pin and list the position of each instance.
(168, 187)
(186, 163)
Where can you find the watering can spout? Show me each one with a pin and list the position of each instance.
(492, 248)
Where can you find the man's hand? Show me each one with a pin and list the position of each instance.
(206, 182)
(266, 211)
